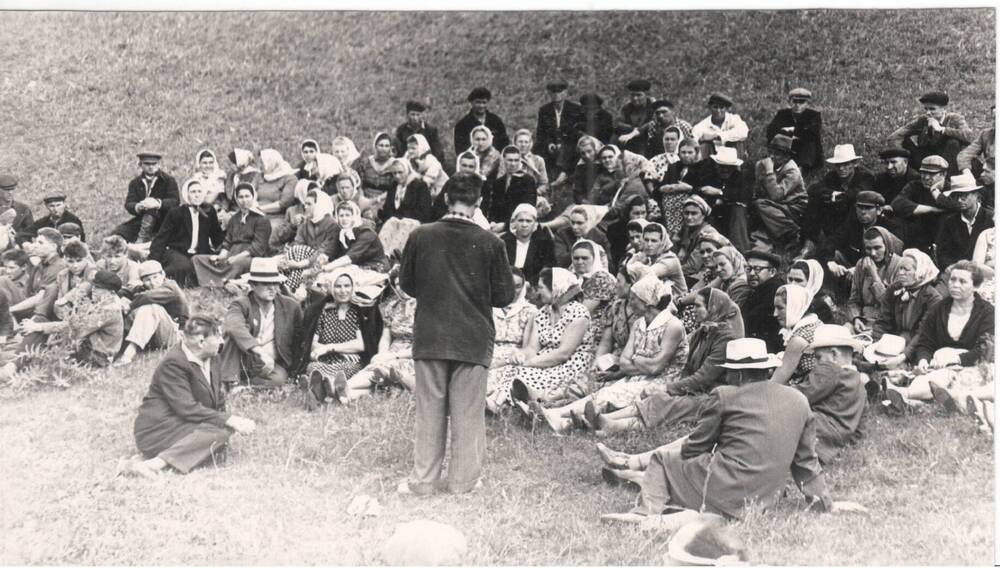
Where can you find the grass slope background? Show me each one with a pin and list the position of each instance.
(80, 93)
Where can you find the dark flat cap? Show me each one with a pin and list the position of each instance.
(663, 103)
(869, 198)
(591, 100)
(7, 182)
(769, 257)
(479, 93)
(781, 143)
(720, 99)
(894, 153)
(107, 280)
(934, 98)
(638, 85)
(557, 86)
(415, 106)
(149, 156)
(54, 198)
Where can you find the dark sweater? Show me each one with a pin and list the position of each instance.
(457, 272)
(934, 332)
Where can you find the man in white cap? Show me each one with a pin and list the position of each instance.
(261, 330)
(831, 199)
(156, 313)
(959, 231)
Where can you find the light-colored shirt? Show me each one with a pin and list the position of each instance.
(204, 365)
(733, 129)
(520, 253)
(265, 337)
(194, 230)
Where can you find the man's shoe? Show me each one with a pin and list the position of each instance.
(943, 398)
(895, 403)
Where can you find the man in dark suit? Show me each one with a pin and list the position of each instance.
(635, 114)
(23, 218)
(758, 308)
(182, 421)
(479, 114)
(804, 126)
(187, 230)
(261, 330)
(896, 176)
(556, 132)
(56, 204)
(150, 196)
(957, 235)
(416, 124)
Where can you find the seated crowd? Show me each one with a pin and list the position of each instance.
(646, 251)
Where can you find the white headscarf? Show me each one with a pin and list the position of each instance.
(472, 134)
(797, 300)
(815, 279)
(327, 166)
(410, 174)
(468, 154)
(323, 207)
(563, 282)
(275, 167)
(216, 173)
(526, 208)
(925, 271)
(600, 256)
(352, 150)
(650, 289)
(348, 233)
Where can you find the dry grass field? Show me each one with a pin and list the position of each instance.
(80, 93)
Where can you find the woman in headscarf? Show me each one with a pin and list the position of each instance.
(583, 221)
(585, 171)
(791, 308)
(345, 151)
(513, 325)
(326, 169)
(696, 211)
(355, 243)
(615, 335)
(188, 229)
(276, 193)
(809, 274)
(481, 144)
(306, 169)
(719, 322)
(560, 347)
(652, 358)
(633, 231)
(208, 173)
(590, 264)
(730, 274)
(313, 237)
(246, 171)
(247, 235)
(348, 189)
(418, 151)
(528, 248)
(410, 198)
(376, 176)
(708, 244)
(617, 177)
(908, 299)
(872, 276)
(657, 254)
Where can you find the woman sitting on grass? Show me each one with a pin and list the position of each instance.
(276, 193)
(730, 274)
(658, 255)
(696, 211)
(306, 169)
(247, 235)
(583, 221)
(208, 173)
(590, 264)
(560, 347)
(313, 236)
(791, 308)
(809, 275)
(345, 151)
(955, 337)
(376, 177)
(355, 243)
(652, 358)
(513, 325)
(908, 299)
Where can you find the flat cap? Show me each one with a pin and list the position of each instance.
(415, 106)
(8, 182)
(894, 153)
(56, 198)
(591, 100)
(869, 198)
(149, 156)
(933, 164)
(781, 143)
(557, 86)
(663, 103)
(149, 268)
(638, 85)
(719, 99)
(70, 229)
(800, 93)
(934, 98)
(107, 280)
(769, 257)
(479, 93)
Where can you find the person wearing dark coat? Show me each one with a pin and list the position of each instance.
(56, 204)
(23, 219)
(934, 333)
(556, 131)
(504, 194)
(479, 98)
(262, 330)
(936, 132)
(248, 233)
(369, 322)
(846, 246)
(186, 231)
(922, 204)
(410, 198)
(896, 176)
(596, 121)
(416, 124)
(724, 186)
(959, 231)
(529, 247)
(832, 198)
(636, 114)
(804, 126)
(758, 307)
(182, 421)
(151, 195)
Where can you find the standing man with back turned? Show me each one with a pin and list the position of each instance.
(458, 272)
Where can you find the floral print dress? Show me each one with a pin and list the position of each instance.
(397, 316)
(510, 324)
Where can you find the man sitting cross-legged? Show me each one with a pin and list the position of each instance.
(157, 312)
(182, 421)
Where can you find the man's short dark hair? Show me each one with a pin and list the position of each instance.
(204, 326)
(510, 150)
(75, 250)
(17, 256)
(463, 189)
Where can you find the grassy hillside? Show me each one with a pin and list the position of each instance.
(80, 93)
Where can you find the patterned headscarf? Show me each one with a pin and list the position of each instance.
(650, 289)
(700, 203)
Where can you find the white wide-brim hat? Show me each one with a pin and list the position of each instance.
(726, 156)
(843, 153)
(963, 183)
(829, 335)
(887, 347)
(265, 271)
(749, 353)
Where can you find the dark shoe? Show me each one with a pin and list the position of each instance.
(944, 399)
(519, 391)
(337, 387)
(896, 405)
(591, 415)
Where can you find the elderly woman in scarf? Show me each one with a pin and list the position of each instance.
(583, 225)
(314, 235)
(375, 170)
(873, 275)
(348, 188)
(276, 193)
(306, 169)
(791, 308)
(410, 198)
(719, 322)
(528, 249)
(696, 211)
(247, 236)
(730, 274)
(908, 298)
(513, 325)
(418, 151)
(481, 144)
(617, 178)
(355, 242)
(246, 171)
(208, 173)
(652, 358)
(560, 346)
(658, 256)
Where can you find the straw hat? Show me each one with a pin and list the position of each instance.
(707, 541)
(829, 335)
(887, 347)
(843, 153)
(265, 271)
(963, 183)
(726, 156)
(749, 353)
